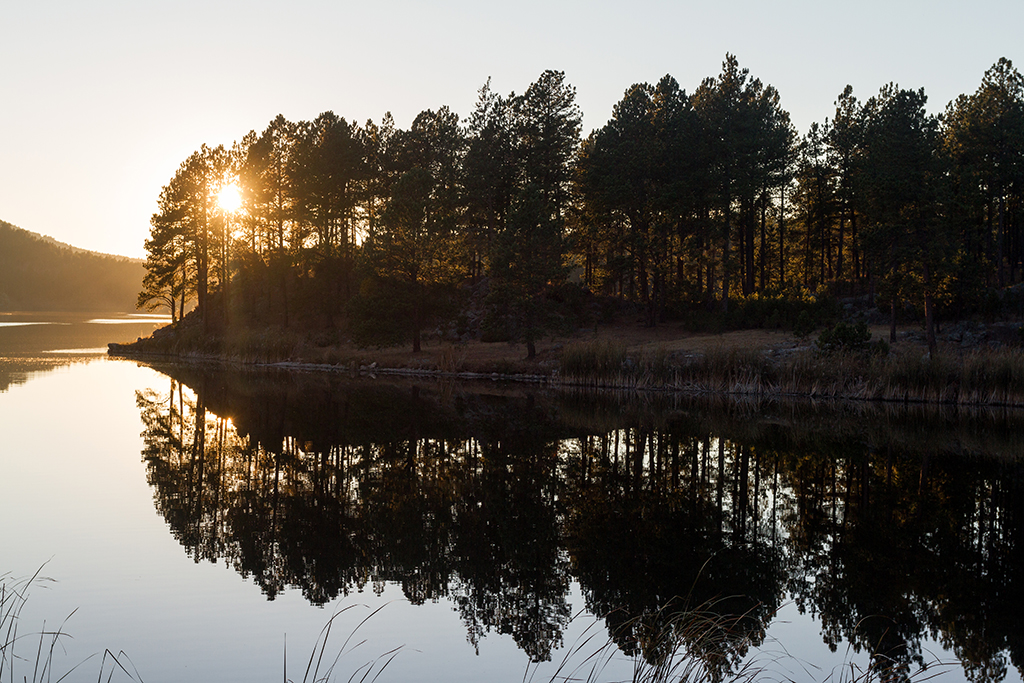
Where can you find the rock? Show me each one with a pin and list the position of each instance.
(873, 316)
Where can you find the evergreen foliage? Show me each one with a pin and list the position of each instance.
(844, 337)
(682, 204)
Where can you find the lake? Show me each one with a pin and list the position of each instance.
(210, 522)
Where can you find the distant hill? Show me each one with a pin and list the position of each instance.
(38, 273)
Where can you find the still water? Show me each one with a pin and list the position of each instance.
(209, 523)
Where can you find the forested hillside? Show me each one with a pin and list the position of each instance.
(37, 273)
(682, 205)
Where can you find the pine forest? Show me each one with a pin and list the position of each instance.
(510, 224)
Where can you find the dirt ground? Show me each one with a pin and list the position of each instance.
(476, 356)
(479, 356)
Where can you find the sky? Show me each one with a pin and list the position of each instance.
(101, 101)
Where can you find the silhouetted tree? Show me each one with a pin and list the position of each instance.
(527, 258)
(492, 172)
(411, 258)
(902, 181)
(983, 140)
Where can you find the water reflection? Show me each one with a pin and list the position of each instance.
(34, 333)
(17, 371)
(36, 343)
(890, 527)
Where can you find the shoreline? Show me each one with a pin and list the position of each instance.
(975, 379)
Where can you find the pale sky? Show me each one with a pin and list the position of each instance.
(100, 101)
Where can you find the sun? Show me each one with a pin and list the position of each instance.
(229, 198)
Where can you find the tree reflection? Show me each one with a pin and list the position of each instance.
(514, 577)
(891, 547)
(497, 502)
(16, 370)
(662, 524)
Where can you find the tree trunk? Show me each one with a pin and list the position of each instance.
(763, 251)
(1001, 226)
(645, 289)
(808, 257)
(751, 217)
(853, 240)
(226, 272)
(892, 321)
(709, 296)
(782, 238)
(284, 292)
(741, 235)
(657, 299)
(174, 310)
(416, 324)
(839, 251)
(826, 248)
(929, 314)
(202, 272)
(726, 248)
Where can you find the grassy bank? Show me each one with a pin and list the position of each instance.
(277, 345)
(977, 377)
(756, 364)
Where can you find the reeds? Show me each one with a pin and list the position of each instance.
(607, 365)
(703, 645)
(45, 643)
(322, 670)
(452, 358)
(978, 378)
(593, 362)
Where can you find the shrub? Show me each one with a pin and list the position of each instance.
(804, 325)
(844, 337)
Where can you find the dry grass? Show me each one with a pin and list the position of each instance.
(908, 374)
(759, 363)
(274, 345)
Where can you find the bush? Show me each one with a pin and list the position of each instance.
(496, 327)
(844, 337)
(804, 325)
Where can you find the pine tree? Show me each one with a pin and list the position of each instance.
(902, 180)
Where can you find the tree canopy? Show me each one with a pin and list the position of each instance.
(682, 202)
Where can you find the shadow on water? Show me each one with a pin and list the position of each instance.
(889, 525)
